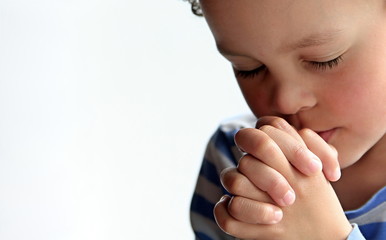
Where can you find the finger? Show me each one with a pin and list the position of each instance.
(254, 212)
(297, 154)
(269, 145)
(267, 179)
(261, 146)
(224, 220)
(238, 184)
(326, 152)
(281, 124)
(236, 228)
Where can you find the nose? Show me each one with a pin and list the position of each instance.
(291, 97)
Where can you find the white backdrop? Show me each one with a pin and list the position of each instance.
(105, 110)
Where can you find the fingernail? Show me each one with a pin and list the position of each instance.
(278, 215)
(315, 164)
(336, 174)
(289, 198)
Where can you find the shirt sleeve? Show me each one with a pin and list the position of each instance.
(356, 233)
(219, 155)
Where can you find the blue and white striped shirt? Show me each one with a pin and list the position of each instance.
(369, 221)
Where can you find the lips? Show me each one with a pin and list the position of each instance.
(326, 135)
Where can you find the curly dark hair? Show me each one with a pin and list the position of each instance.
(196, 8)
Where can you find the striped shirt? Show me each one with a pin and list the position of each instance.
(369, 221)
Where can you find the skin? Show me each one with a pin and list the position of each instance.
(316, 204)
(319, 87)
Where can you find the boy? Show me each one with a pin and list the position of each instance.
(314, 75)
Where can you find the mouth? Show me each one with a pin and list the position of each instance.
(326, 135)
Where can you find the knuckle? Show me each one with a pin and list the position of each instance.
(244, 163)
(216, 211)
(299, 152)
(240, 134)
(277, 184)
(265, 214)
(266, 128)
(240, 138)
(233, 183)
(226, 174)
(253, 141)
(217, 215)
(237, 207)
(237, 137)
(268, 147)
(306, 132)
(223, 222)
(245, 210)
(280, 123)
(227, 225)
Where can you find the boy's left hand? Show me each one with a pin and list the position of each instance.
(316, 213)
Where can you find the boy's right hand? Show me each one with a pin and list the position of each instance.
(307, 139)
(275, 189)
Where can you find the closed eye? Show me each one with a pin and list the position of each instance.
(326, 65)
(316, 65)
(249, 74)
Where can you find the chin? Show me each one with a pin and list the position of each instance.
(345, 164)
(348, 160)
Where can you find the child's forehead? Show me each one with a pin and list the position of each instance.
(273, 22)
(276, 12)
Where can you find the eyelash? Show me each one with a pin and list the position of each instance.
(249, 74)
(316, 65)
(324, 65)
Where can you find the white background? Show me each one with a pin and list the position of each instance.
(105, 110)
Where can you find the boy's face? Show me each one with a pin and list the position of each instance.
(320, 64)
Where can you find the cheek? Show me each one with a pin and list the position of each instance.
(357, 102)
(358, 91)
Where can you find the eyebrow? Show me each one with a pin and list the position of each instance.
(314, 39)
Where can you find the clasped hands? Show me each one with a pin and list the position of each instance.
(280, 188)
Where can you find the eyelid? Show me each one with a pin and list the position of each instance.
(246, 66)
(317, 65)
(249, 73)
(323, 65)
